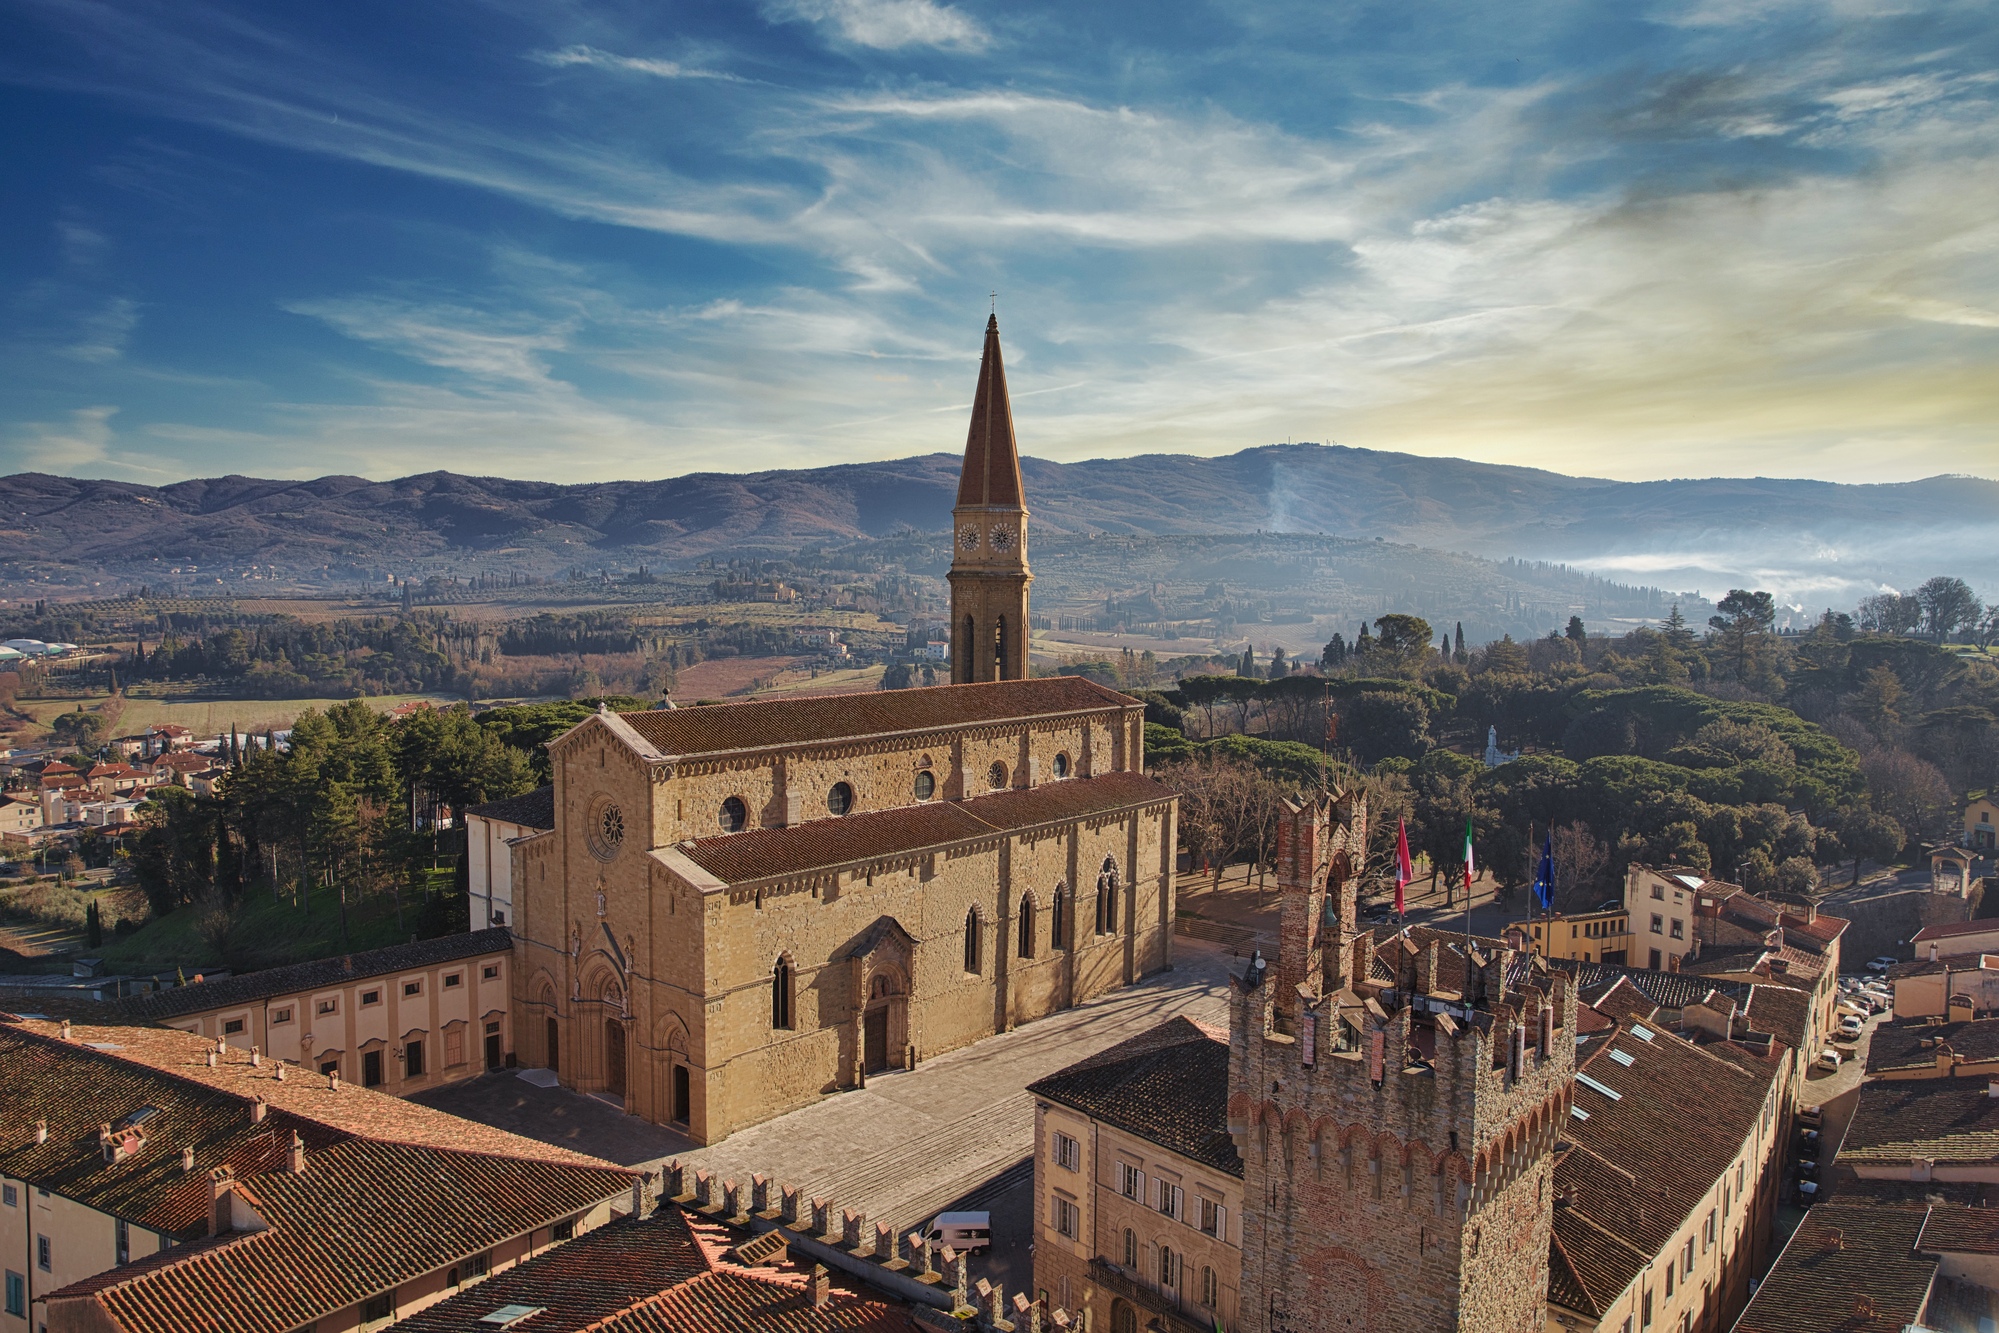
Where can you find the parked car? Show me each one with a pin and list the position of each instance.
(1808, 1143)
(1808, 1193)
(1830, 1058)
(963, 1231)
(1881, 964)
(1850, 1027)
(1808, 1170)
(1811, 1117)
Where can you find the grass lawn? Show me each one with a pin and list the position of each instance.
(267, 932)
(207, 717)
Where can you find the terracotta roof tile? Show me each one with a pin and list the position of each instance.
(1944, 930)
(319, 974)
(755, 854)
(1941, 1119)
(535, 809)
(991, 474)
(1848, 1268)
(1962, 1231)
(758, 723)
(1169, 1086)
(1901, 1046)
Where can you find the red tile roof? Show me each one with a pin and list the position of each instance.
(1848, 1268)
(768, 853)
(653, 1274)
(367, 1214)
(759, 723)
(1944, 930)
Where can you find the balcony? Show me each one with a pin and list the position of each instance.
(1170, 1314)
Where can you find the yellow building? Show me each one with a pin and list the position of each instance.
(1592, 937)
(1981, 824)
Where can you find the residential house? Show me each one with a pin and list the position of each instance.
(1603, 936)
(1981, 823)
(1746, 937)
(1905, 1050)
(1660, 903)
(1957, 937)
(153, 1183)
(178, 765)
(490, 830)
(1138, 1186)
(166, 737)
(1864, 1266)
(1940, 1129)
(1946, 985)
(19, 812)
(402, 1019)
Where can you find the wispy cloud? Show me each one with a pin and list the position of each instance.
(887, 25)
(658, 69)
(104, 332)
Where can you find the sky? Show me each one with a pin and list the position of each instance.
(566, 241)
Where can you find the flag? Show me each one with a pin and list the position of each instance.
(1404, 869)
(1544, 877)
(1471, 871)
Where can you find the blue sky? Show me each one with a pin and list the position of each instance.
(573, 242)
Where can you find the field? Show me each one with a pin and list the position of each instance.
(205, 717)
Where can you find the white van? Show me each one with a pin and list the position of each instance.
(962, 1231)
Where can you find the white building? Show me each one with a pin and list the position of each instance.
(489, 830)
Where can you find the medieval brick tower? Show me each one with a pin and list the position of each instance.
(989, 574)
(1395, 1102)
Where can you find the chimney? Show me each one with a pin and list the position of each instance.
(41, 1131)
(221, 1046)
(280, 1074)
(821, 1287)
(333, 1080)
(221, 1181)
(256, 1057)
(1835, 1240)
(1992, 1088)
(186, 1160)
(1933, 951)
(257, 1109)
(298, 1155)
(65, 1029)
(211, 1059)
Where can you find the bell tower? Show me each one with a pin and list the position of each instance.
(989, 574)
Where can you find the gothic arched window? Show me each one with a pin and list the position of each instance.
(972, 950)
(1026, 942)
(1107, 918)
(1058, 917)
(999, 648)
(970, 655)
(780, 994)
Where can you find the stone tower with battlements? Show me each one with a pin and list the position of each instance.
(1395, 1098)
(989, 574)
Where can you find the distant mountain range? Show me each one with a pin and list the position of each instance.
(1810, 540)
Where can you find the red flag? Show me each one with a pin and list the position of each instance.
(1405, 870)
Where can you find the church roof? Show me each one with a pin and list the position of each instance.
(769, 852)
(992, 465)
(757, 724)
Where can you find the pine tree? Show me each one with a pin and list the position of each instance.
(1461, 642)
(1278, 669)
(1576, 633)
(1334, 653)
(1247, 667)
(93, 925)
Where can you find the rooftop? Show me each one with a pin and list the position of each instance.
(1945, 930)
(321, 974)
(653, 1273)
(1944, 1120)
(535, 809)
(1902, 1046)
(1169, 1086)
(768, 853)
(762, 723)
(1849, 1268)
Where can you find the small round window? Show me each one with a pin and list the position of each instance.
(926, 786)
(1061, 765)
(734, 814)
(841, 799)
(607, 830)
(996, 776)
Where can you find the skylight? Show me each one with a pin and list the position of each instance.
(1595, 1086)
(1621, 1058)
(1578, 1112)
(509, 1315)
(1641, 1032)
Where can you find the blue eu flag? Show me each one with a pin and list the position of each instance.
(1544, 877)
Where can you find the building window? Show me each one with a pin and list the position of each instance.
(412, 988)
(1169, 1267)
(972, 951)
(17, 1294)
(1211, 1288)
(1058, 917)
(1068, 1153)
(996, 775)
(369, 997)
(378, 1307)
(1061, 765)
(453, 979)
(926, 785)
(1214, 1219)
(10, 1196)
(454, 1047)
(1647, 1308)
(329, 1066)
(330, 1005)
(1169, 1199)
(490, 973)
(1107, 898)
(1067, 1218)
(413, 1059)
(841, 799)
(232, 1027)
(1026, 932)
(780, 994)
(1672, 1271)
(1130, 1248)
(1679, 929)
(121, 1233)
(1687, 1260)
(371, 1069)
(733, 815)
(478, 1266)
(1658, 924)
(1131, 1181)
(281, 1016)
(563, 1230)
(44, 1259)
(1659, 892)
(1708, 1238)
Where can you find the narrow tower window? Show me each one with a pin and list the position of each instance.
(1026, 942)
(1058, 918)
(780, 994)
(999, 649)
(972, 952)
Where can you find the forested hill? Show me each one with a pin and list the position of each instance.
(1776, 533)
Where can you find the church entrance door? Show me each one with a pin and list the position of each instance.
(874, 1040)
(614, 1057)
(681, 1098)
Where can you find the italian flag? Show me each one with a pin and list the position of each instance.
(1470, 869)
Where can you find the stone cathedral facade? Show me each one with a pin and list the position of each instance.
(744, 907)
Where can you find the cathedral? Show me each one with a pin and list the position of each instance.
(744, 907)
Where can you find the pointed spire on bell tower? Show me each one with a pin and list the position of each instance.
(992, 465)
(989, 574)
